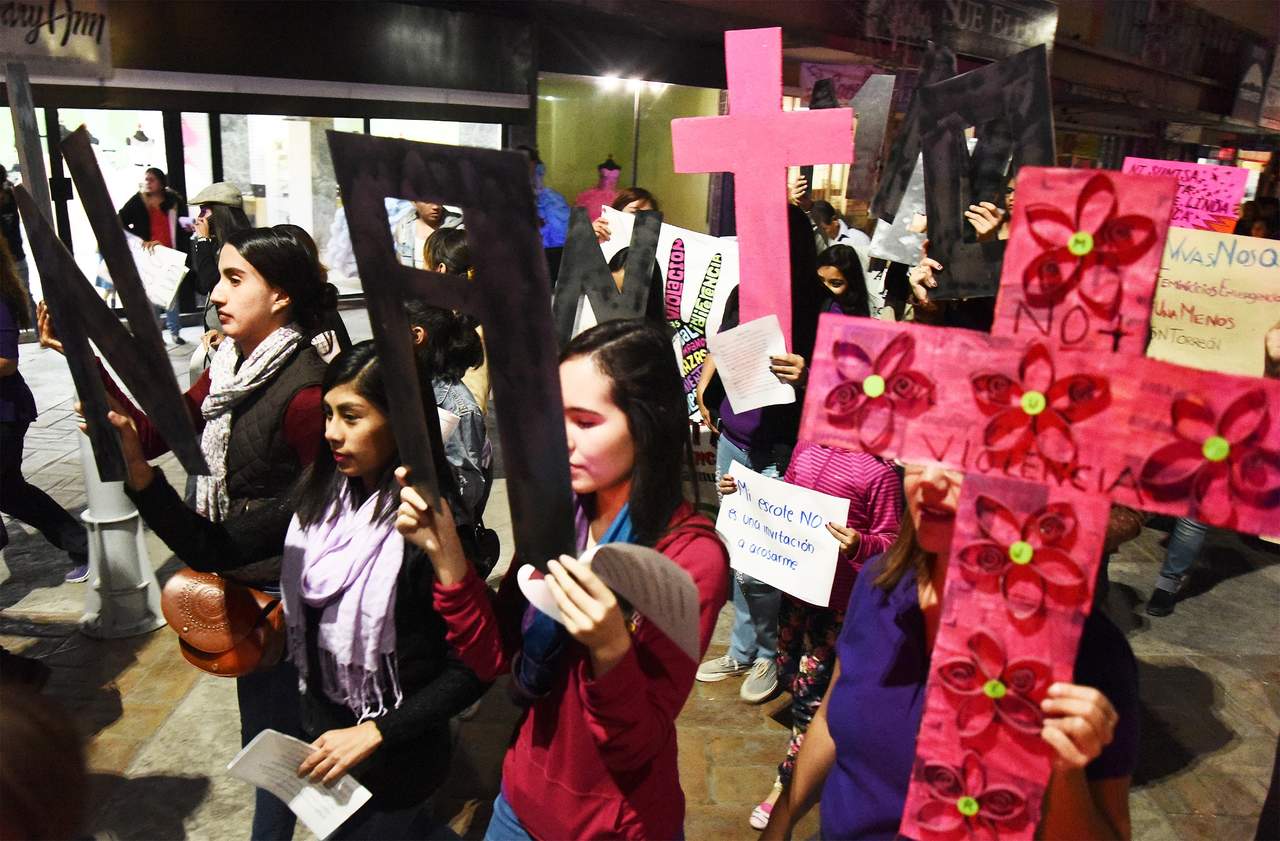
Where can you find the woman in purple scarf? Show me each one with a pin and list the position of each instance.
(378, 683)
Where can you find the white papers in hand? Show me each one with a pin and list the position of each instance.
(271, 762)
(662, 591)
(161, 269)
(742, 360)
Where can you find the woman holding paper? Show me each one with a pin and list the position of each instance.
(379, 683)
(595, 755)
(859, 751)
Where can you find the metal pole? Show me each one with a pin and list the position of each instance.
(124, 599)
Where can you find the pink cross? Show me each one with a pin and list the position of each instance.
(1053, 417)
(757, 141)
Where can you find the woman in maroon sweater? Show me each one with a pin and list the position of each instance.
(595, 755)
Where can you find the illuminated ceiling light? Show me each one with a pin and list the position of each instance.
(635, 85)
(609, 83)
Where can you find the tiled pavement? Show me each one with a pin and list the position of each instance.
(160, 733)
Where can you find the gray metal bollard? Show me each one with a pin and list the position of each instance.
(123, 598)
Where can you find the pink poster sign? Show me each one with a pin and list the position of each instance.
(1084, 250)
(1209, 197)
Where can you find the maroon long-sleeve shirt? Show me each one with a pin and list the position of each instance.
(596, 758)
(303, 419)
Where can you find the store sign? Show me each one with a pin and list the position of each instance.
(1249, 94)
(992, 29)
(1271, 97)
(57, 36)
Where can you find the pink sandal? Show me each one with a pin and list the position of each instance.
(760, 815)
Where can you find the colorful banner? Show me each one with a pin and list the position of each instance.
(1208, 196)
(1217, 298)
(699, 272)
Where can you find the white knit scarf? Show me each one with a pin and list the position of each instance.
(227, 387)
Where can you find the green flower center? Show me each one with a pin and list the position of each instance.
(1021, 552)
(967, 806)
(994, 689)
(873, 386)
(1081, 243)
(1216, 448)
(1033, 402)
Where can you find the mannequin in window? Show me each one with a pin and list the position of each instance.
(604, 192)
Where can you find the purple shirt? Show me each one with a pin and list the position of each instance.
(16, 403)
(875, 708)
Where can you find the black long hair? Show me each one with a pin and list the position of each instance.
(11, 291)
(452, 347)
(290, 263)
(807, 297)
(225, 220)
(845, 260)
(168, 196)
(448, 246)
(636, 357)
(320, 482)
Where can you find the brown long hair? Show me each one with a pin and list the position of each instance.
(905, 554)
(11, 291)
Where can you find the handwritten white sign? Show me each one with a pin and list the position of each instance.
(777, 533)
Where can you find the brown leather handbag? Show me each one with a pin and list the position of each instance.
(224, 627)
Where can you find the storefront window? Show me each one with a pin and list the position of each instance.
(610, 108)
(197, 157)
(126, 144)
(482, 135)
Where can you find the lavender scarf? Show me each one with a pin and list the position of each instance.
(346, 566)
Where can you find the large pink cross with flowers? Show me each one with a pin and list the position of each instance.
(1053, 417)
(757, 141)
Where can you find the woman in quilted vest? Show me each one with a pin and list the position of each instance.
(378, 681)
(259, 410)
(595, 754)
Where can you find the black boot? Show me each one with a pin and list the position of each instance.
(1161, 602)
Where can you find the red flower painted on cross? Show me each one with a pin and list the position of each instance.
(874, 394)
(1038, 409)
(961, 800)
(994, 690)
(1027, 557)
(1217, 462)
(1084, 253)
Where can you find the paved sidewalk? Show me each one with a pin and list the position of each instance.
(160, 733)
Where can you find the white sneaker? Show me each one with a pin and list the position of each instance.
(761, 684)
(721, 668)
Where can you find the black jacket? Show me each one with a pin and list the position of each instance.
(137, 221)
(413, 758)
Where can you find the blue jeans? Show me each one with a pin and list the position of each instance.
(270, 700)
(755, 604)
(504, 825)
(1184, 546)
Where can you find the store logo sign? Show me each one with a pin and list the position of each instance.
(57, 36)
